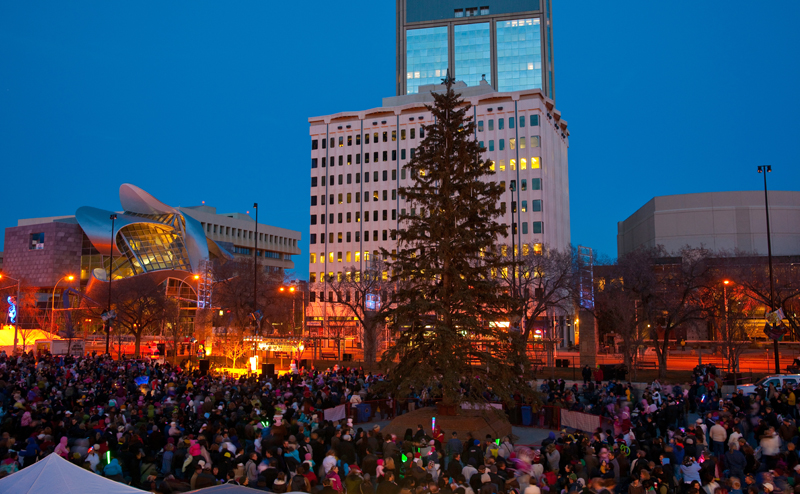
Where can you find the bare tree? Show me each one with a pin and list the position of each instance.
(543, 285)
(233, 289)
(367, 296)
(231, 346)
(141, 304)
(670, 289)
(752, 272)
(730, 309)
(616, 309)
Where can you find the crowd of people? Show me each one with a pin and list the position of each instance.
(162, 429)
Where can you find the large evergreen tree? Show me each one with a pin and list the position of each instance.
(447, 259)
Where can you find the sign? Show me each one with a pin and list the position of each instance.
(775, 332)
(373, 301)
(12, 309)
(313, 323)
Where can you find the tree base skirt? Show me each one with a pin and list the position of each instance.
(478, 422)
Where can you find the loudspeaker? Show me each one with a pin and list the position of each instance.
(267, 370)
(204, 365)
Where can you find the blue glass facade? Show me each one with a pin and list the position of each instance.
(426, 57)
(472, 52)
(519, 55)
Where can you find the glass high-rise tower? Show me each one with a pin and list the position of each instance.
(507, 42)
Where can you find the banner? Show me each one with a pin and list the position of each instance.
(335, 413)
(581, 421)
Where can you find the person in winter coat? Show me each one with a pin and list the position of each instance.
(113, 468)
(736, 462)
(61, 448)
(30, 452)
(553, 457)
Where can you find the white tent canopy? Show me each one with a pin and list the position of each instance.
(55, 474)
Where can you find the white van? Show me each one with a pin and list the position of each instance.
(779, 380)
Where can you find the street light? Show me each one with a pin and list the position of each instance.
(68, 277)
(110, 276)
(16, 315)
(767, 169)
(255, 266)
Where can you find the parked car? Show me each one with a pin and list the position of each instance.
(779, 380)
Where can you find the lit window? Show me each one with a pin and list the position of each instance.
(385, 137)
(502, 164)
(341, 141)
(402, 134)
(358, 253)
(491, 165)
(340, 199)
(535, 141)
(535, 162)
(537, 248)
(330, 256)
(358, 139)
(523, 164)
(522, 143)
(347, 256)
(512, 143)
(512, 165)
(313, 259)
(524, 208)
(394, 135)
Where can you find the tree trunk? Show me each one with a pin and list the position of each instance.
(662, 357)
(137, 344)
(370, 340)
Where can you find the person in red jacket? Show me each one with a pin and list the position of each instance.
(598, 375)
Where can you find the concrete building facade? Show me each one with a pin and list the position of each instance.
(357, 161)
(731, 221)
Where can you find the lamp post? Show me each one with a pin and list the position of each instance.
(255, 265)
(512, 187)
(69, 277)
(764, 170)
(110, 276)
(291, 290)
(17, 314)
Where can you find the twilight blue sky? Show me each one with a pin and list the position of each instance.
(209, 101)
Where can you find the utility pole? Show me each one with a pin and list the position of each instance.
(766, 169)
(255, 266)
(110, 275)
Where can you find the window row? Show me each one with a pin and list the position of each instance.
(347, 198)
(342, 237)
(500, 165)
(376, 138)
(534, 122)
(533, 142)
(536, 184)
(377, 157)
(536, 227)
(343, 256)
(348, 217)
(536, 206)
(348, 178)
(247, 234)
